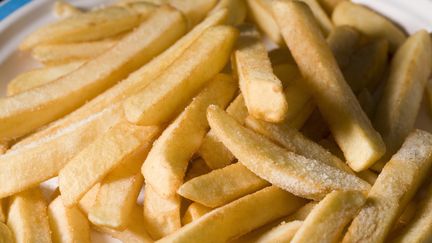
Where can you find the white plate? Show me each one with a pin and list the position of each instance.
(411, 15)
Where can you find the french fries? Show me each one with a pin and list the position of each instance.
(238, 217)
(407, 80)
(91, 78)
(63, 9)
(2, 211)
(5, 233)
(124, 141)
(28, 218)
(368, 22)
(236, 10)
(159, 101)
(261, 13)
(194, 212)
(342, 42)
(40, 76)
(281, 233)
(197, 167)
(68, 224)
(301, 176)
(261, 89)
(393, 189)
(361, 144)
(88, 200)
(166, 164)
(320, 15)
(194, 10)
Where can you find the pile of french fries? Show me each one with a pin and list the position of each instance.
(311, 141)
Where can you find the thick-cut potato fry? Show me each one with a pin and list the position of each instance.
(214, 153)
(36, 162)
(399, 105)
(361, 144)
(124, 141)
(28, 218)
(88, 200)
(63, 9)
(261, 13)
(22, 113)
(194, 10)
(343, 41)
(393, 189)
(63, 53)
(406, 216)
(238, 217)
(194, 212)
(222, 186)
(368, 22)
(166, 163)
(40, 76)
(5, 234)
(117, 195)
(282, 233)
(197, 167)
(236, 10)
(261, 89)
(68, 224)
(326, 221)
(93, 25)
(299, 175)
(161, 99)
(161, 214)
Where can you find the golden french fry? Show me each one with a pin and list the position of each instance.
(282, 233)
(236, 10)
(329, 5)
(302, 213)
(22, 113)
(5, 234)
(161, 99)
(393, 189)
(326, 221)
(368, 22)
(299, 175)
(40, 76)
(63, 9)
(261, 89)
(161, 214)
(88, 200)
(117, 195)
(261, 13)
(407, 80)
(194, 10)
(406, 216)
(93, 25)
(343, 41)
(361, 144)
(214, 153)
(197, 167)
(68, 224)
(124, 141)
(320, 15)
(144, 8)
(194, 212)
(222, 186)
(238, 217)
(28, 218)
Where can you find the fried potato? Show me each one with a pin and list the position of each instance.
(161, 100)
(261, 13)
(367, 102)
(236, 10)
(329, 5)
(5, 234)
(197, 167)
(320, 15)
(28, 218)
(90, 26)
(238, 217)
(144, 8)
(68, 224)
(407, 80)
(124, 141)
(194, 212)
(194, 10)
(161, 214)
(63, 9)
(40, 76)
(261, 89)
(282, 233)
(361, 144)
(429, 92)
(2, 210)
(326, 221)
(117, 195)
(88, 200)
(368, 22)
(41, 105)
(214, 153)
(343, 41)
(393, 189)
(301, 176)
(222, 186)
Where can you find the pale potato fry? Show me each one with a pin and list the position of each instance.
(88, 200)
(222, 186)
(41, 105)
(406, 216)
(214, 153)
(393, 189)
(343, 41)
(282, 233)
(261, 13)
(194, 10)
(36, 162)
(117, 195)
(93, 25)
(28, 218)
(68, 224)
(63, 9)
(161, 214)
(236, 10)
(407, 80)
(161, 99)
(361, 144)
(144, 8)
(301, 176)
(238, 217)
(261, 89)
(194, 212)
(326, 221)
(40, 76)
(124, 141)
(302, 213)
(5, 234)
(368, 22)
(197, 167)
